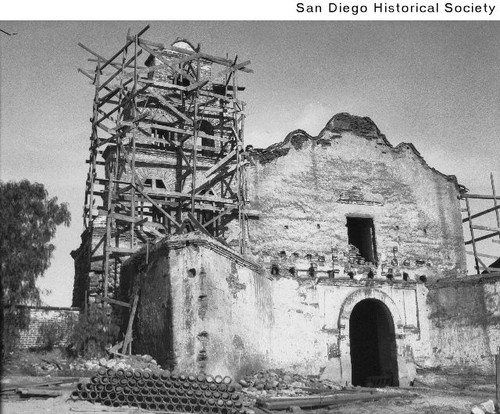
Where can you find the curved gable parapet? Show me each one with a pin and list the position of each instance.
(405, 147)
(338, 127)
(295, 139)
(361, 126)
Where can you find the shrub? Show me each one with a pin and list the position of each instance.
(94, 331)
(52, 334)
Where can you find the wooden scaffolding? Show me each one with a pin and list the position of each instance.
(479, 232)
(166, 150)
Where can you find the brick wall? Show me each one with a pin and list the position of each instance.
(62, 318)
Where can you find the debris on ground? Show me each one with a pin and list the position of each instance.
(45, 389)
(118, 362)
(488, 407)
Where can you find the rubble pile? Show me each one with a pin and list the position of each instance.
(140, 362)
(275, 383)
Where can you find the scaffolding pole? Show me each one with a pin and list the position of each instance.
(166, 150)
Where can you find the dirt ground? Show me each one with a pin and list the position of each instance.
(414, 400)
(434, 392)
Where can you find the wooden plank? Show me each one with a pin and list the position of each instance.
(233, 68)
(129, 42)
(96, 162)
(187, 132)
(486, 228)
(485, 268)
(166, 62)
(497, 374)
(225, 212)
(197, 225)
(482, 213)
(120, 105)
(172, 108)
(14, 387)
(215, 59)
(214, 178)
(280, 403)
(151, 43)
(486, 256)
(113, 301)
(122, 250)
(164, 66)
(108, 96)
(481, 196)
(473, 240)
(123, 217)
(495, 203)
(477, 239)
(125, 189)
(99, 57)
(196, 85)
(153, 83)
(221, 163)
(127, 342)
(174, 222)
(40, 392)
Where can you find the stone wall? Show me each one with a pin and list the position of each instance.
(62, 318)
(305, 188)
(465, 312)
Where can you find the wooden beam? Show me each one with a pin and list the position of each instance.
(99, 57)
(482, 213)
(166, 62)
(123, 217)
(127, 341)
(113, 92)
(486, 228)
(473, 240)
(477, 239)
(153, 83)
(221, 163)
(486, 256)
(113, 301)
(198, 225)
(119, 70)
(129, 42)
(481, 196)
(174, 222)
(196, 85)
(122, 250)
(214, 178)
(233, 68)
(214, 59)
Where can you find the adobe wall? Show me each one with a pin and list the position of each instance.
(304, 188)
(203, 307)
(465, 312)
(89, 277)
(63, 318)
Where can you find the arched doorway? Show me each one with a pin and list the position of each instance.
(373, 345)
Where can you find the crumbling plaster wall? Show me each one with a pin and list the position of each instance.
(226, 317)
(304, 188)
(465, 312)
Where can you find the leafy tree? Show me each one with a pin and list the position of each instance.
(28, 221)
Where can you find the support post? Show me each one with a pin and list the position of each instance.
(497, 366)
(472, 235)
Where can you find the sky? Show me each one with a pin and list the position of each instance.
(434, 84)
